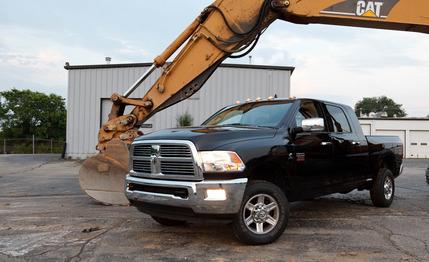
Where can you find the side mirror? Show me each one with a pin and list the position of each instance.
(313, 125)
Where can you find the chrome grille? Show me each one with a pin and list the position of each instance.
(142, 166)
(175, 151)
(142, 150)
(157, 159)
(177, 168)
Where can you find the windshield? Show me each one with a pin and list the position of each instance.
(264, 114)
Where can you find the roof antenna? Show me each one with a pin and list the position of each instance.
(275, 95)
(250, 59)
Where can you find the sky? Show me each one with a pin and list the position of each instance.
(340, 64)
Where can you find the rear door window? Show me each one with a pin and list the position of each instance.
(338, 119)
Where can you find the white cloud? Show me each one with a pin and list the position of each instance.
(127, 50)
(36, 58)
(352, 65)
(336, 63)
(130, 48)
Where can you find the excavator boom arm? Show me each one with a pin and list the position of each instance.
(403, 15)
(229, 26)
(223, 28)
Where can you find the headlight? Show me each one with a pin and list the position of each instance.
(221, 161)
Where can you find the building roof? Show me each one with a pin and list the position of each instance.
(396, 118)
(99, 66)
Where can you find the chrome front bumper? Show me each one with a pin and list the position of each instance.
(196, 200)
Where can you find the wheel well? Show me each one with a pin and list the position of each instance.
(269, 171)
(389, 162)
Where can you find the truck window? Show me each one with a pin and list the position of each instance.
(308, 109)
(339, 119)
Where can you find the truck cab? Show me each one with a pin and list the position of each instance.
(248, 161)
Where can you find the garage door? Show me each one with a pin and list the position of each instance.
(366, 128)
(419, 144)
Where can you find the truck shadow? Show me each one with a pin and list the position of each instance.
(320, 212)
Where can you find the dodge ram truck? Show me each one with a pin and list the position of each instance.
(247, 162)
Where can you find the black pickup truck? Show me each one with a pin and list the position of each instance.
(247, 162)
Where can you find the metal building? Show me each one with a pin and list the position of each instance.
(90, 87)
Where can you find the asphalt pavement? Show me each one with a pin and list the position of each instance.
(44, 216)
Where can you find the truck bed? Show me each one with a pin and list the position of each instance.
(381, 145)
(392, 140)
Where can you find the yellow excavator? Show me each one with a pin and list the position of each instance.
(226, 28)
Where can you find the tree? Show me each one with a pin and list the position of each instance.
(24, 113)
(379, 104)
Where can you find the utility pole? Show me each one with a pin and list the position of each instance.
(51, 145)
(33, 145)
(4, 146)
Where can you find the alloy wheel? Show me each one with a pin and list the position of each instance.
(261, 214)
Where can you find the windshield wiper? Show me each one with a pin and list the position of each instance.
(267, 127)
(244, 125)
(235, 124)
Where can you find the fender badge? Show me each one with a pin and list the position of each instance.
(300, 157)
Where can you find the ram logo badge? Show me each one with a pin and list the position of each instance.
(154, 159)
(362, 8)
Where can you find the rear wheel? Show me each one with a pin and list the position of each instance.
(168, 222)
(427, 175)
(383, 188)
(263, 214)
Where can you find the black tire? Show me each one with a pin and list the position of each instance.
(168, 222)
(382, 195)
(272, 194)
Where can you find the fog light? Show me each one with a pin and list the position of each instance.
(215, 195)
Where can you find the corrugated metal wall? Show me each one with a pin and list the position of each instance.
(90, 87)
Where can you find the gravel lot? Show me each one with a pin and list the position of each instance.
(45, 217)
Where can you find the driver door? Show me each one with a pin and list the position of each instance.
(312, 154)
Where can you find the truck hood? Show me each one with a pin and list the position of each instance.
(210, 138)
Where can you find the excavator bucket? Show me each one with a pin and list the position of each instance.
(102, 177)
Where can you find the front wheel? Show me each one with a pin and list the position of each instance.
(383, 188)
(263, 214)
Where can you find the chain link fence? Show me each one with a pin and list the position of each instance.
(31, 146)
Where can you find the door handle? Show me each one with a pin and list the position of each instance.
(326, 143)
